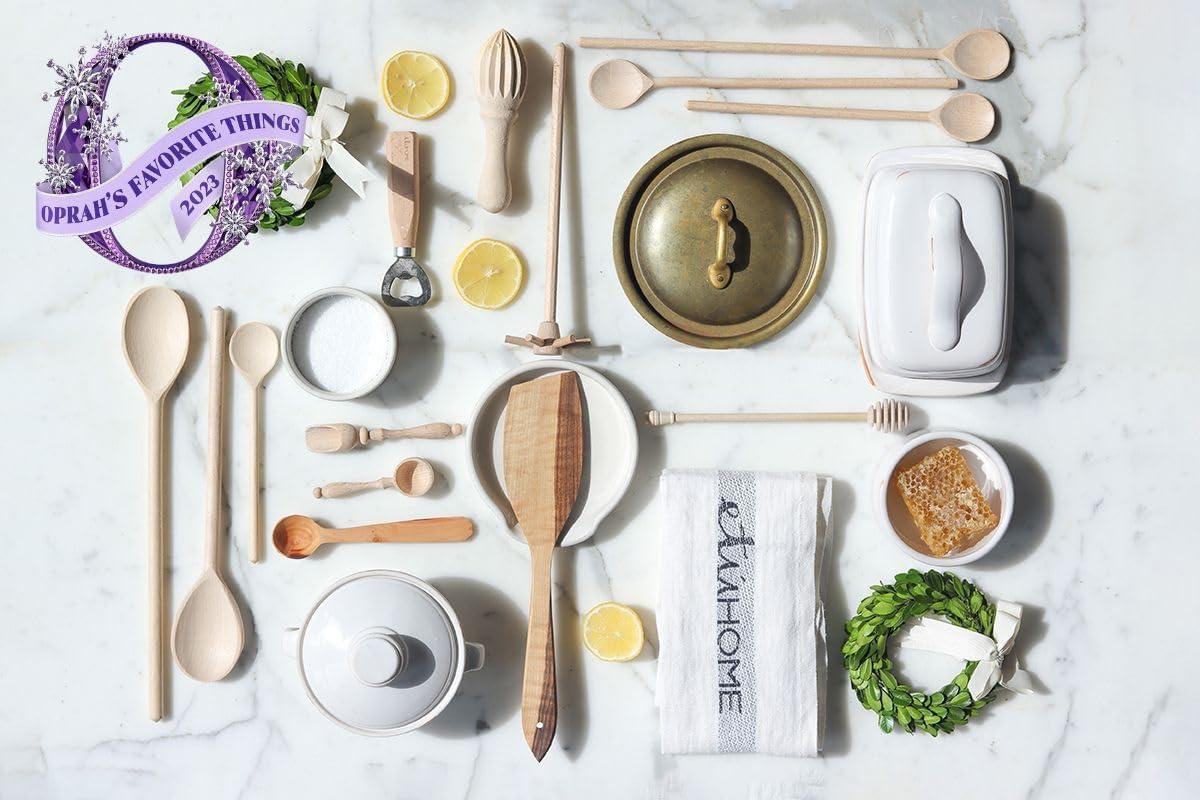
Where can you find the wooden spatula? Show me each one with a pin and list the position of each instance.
(543, 464)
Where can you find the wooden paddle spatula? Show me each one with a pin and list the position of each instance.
(543, 464)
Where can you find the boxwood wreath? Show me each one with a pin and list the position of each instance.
(277, 80)
(880, 614)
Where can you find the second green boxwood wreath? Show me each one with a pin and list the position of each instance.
(879, 615)
(277, 80)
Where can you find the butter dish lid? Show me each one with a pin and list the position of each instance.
(937, 262)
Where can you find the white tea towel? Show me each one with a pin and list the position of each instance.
(741, 627)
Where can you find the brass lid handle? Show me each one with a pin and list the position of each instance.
(718, 271)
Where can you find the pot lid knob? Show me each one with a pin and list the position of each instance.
(946, 232)
(718, 271)
(377, 656)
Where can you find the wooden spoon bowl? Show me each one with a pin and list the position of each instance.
(979, 54)
(967, 117)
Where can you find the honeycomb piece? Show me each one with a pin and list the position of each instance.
(945, 501)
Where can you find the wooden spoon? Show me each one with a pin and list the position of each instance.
(155, 337)
(338, 437)
(979, 54)
(543, 467)
(967, 117)
(619, 83)
(208, 636)
(254, 350)
(414, 477)
(298, 536)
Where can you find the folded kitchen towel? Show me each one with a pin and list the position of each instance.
(741, 627)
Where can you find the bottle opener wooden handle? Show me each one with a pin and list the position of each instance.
(404, 187)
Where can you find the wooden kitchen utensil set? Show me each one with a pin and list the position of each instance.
(979, 54)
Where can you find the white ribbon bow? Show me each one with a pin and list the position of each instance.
(321, 144)
(936, 636)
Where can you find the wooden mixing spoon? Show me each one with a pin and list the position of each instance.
(543, 469)
(967, 117)
(980, 54)
(298, 536)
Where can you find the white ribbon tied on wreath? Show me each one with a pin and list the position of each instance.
(321, 145)
(995, 665)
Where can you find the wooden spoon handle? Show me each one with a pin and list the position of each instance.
(404, 187)
(539, 694)
(808, 111)
(700, 82)
(216, 400)
(769, 48)
(154, 564)
(433, 430)
(435, 529)
(347, 488)
(557, 90)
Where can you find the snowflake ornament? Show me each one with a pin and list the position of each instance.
(76, 85)
(110, 51)
(231, 223)
(222, 93)
(60, 173)
(264, 168)
(100, 135)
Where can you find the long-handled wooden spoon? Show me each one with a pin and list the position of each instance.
(619, 83)
(208, 636)
(980, 54)
(154, 338)
(543, 468)
(967, 117)
(298, 536)
(254, 350)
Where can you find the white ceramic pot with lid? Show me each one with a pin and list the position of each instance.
(936, 285)
(382, 653)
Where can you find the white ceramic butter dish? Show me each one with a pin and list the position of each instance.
(935, 288)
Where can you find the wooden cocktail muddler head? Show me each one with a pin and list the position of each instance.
(888, 416)
(338, 437)
(500, 78)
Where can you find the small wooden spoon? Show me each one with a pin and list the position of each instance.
(543, 469)
(967, 117)
(209, 636)
(155, 337)
(298, 536)
(979, 54)
(414, 477)
(254, 350)
(619, 83)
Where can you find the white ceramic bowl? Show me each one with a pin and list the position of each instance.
(989, 469)
(381, 317)
(609, 459)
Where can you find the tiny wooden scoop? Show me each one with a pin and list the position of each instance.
(543, 468)
(298, 536)
(338, 437)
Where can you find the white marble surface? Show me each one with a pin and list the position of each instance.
(1098, 123)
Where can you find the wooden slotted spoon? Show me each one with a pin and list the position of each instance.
(543, 467)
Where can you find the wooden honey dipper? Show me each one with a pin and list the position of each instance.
(888, 416)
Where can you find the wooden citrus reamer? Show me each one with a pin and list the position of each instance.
(549, 341)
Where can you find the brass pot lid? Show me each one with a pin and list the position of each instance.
(719, 241)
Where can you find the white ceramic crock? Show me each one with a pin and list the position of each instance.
(935, 287)
(382, 653)
(986, 465)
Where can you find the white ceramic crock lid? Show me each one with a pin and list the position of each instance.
(937, 250)
(381, 653)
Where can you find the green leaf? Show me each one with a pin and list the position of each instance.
(886, 723)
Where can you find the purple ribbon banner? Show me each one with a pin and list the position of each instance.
(162, 164)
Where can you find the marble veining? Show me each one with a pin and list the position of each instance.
(1097, 121)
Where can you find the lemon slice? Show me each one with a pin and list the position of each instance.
(415, 84)
(613, 632)
(488, 274)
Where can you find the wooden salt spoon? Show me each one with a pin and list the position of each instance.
(254, 350)
(967, 117)
(619, 83)
(414, 477)
(339, 437)
(980, 54)
(208, 636)
(500, 79)
(298, 536)
(155, 336)
(543, 466)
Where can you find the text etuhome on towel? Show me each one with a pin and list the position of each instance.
(741, 666)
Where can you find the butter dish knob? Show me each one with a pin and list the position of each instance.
(945, 231)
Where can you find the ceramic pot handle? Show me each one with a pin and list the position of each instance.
(473, 656)
(945, 224)
(718, 271)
